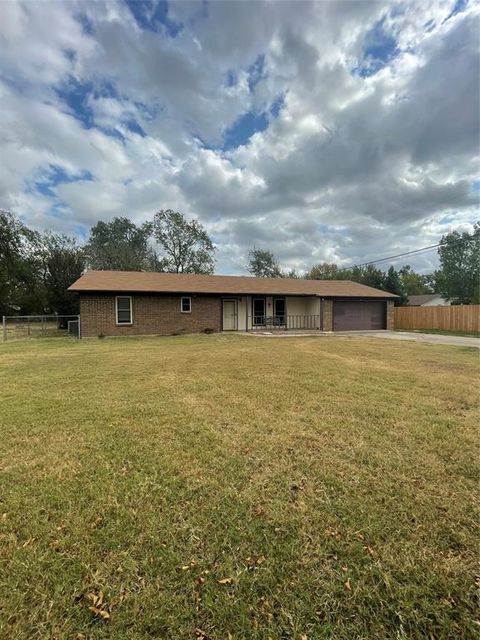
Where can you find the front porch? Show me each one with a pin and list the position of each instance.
(274, 313)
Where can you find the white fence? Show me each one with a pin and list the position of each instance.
(46, 326)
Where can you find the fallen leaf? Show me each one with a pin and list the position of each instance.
(225, 581)
(100, 613)
(253, 562)
(347, 585)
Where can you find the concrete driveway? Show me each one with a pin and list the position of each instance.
(433, 338)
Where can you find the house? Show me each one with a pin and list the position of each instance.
(427, 300)
(125, 303)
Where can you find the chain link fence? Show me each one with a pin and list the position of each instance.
(46, 326)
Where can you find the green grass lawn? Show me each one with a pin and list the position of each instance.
(228, 487)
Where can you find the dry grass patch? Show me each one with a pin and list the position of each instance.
(224, 487)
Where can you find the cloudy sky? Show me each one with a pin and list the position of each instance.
(329, 131)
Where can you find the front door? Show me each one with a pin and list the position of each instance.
(229, 315)
(258, 311)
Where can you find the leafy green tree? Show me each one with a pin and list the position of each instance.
(458, 279)
(120, 245)
(393, 284)
(415, 283)
(431, 282)
(185, 246)
(293, 273)
(20, 267)
(262, 264)
(328, 271)
(369, 275)
(63, 263)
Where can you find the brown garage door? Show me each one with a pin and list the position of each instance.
(355, 316)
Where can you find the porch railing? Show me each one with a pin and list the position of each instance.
(284, 322)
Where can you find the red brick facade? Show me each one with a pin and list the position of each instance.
(390, 315)
(158, 314)
(152, 315)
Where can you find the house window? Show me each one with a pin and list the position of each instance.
(124, 309)
(186, 305)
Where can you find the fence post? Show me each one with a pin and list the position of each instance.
(4, 324)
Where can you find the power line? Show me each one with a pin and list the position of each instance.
(407, 253)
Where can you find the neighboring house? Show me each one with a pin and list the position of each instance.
(123, 303)
(427, 300)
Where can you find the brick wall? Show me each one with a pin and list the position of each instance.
(390, 315)
(152, 315)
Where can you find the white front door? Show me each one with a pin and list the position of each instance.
(229, 315)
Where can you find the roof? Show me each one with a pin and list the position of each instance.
(154, 282)
(418, 300)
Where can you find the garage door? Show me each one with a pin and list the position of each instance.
(355, 316)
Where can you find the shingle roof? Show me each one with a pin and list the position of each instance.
(153, 282)
(418, 300)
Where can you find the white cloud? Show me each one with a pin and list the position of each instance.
(351, 168)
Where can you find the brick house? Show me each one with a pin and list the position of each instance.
(126, 303)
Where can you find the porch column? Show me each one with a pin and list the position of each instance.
(327, 309)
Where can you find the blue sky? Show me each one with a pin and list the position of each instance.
(323, 131)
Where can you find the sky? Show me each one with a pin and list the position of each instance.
(324, 131)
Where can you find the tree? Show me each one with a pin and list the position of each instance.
(293, 273)
(120, 245)
(393, 284)
(20, 267)
(63, 263)
(185, 244)
(262, 264)
(415, 283)
(328, 271)
(459, 277)
(369, 275)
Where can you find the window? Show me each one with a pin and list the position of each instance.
(186, 305)
(124, 310)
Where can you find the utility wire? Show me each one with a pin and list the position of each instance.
(407, 253)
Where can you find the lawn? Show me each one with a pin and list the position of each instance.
(230, 487)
